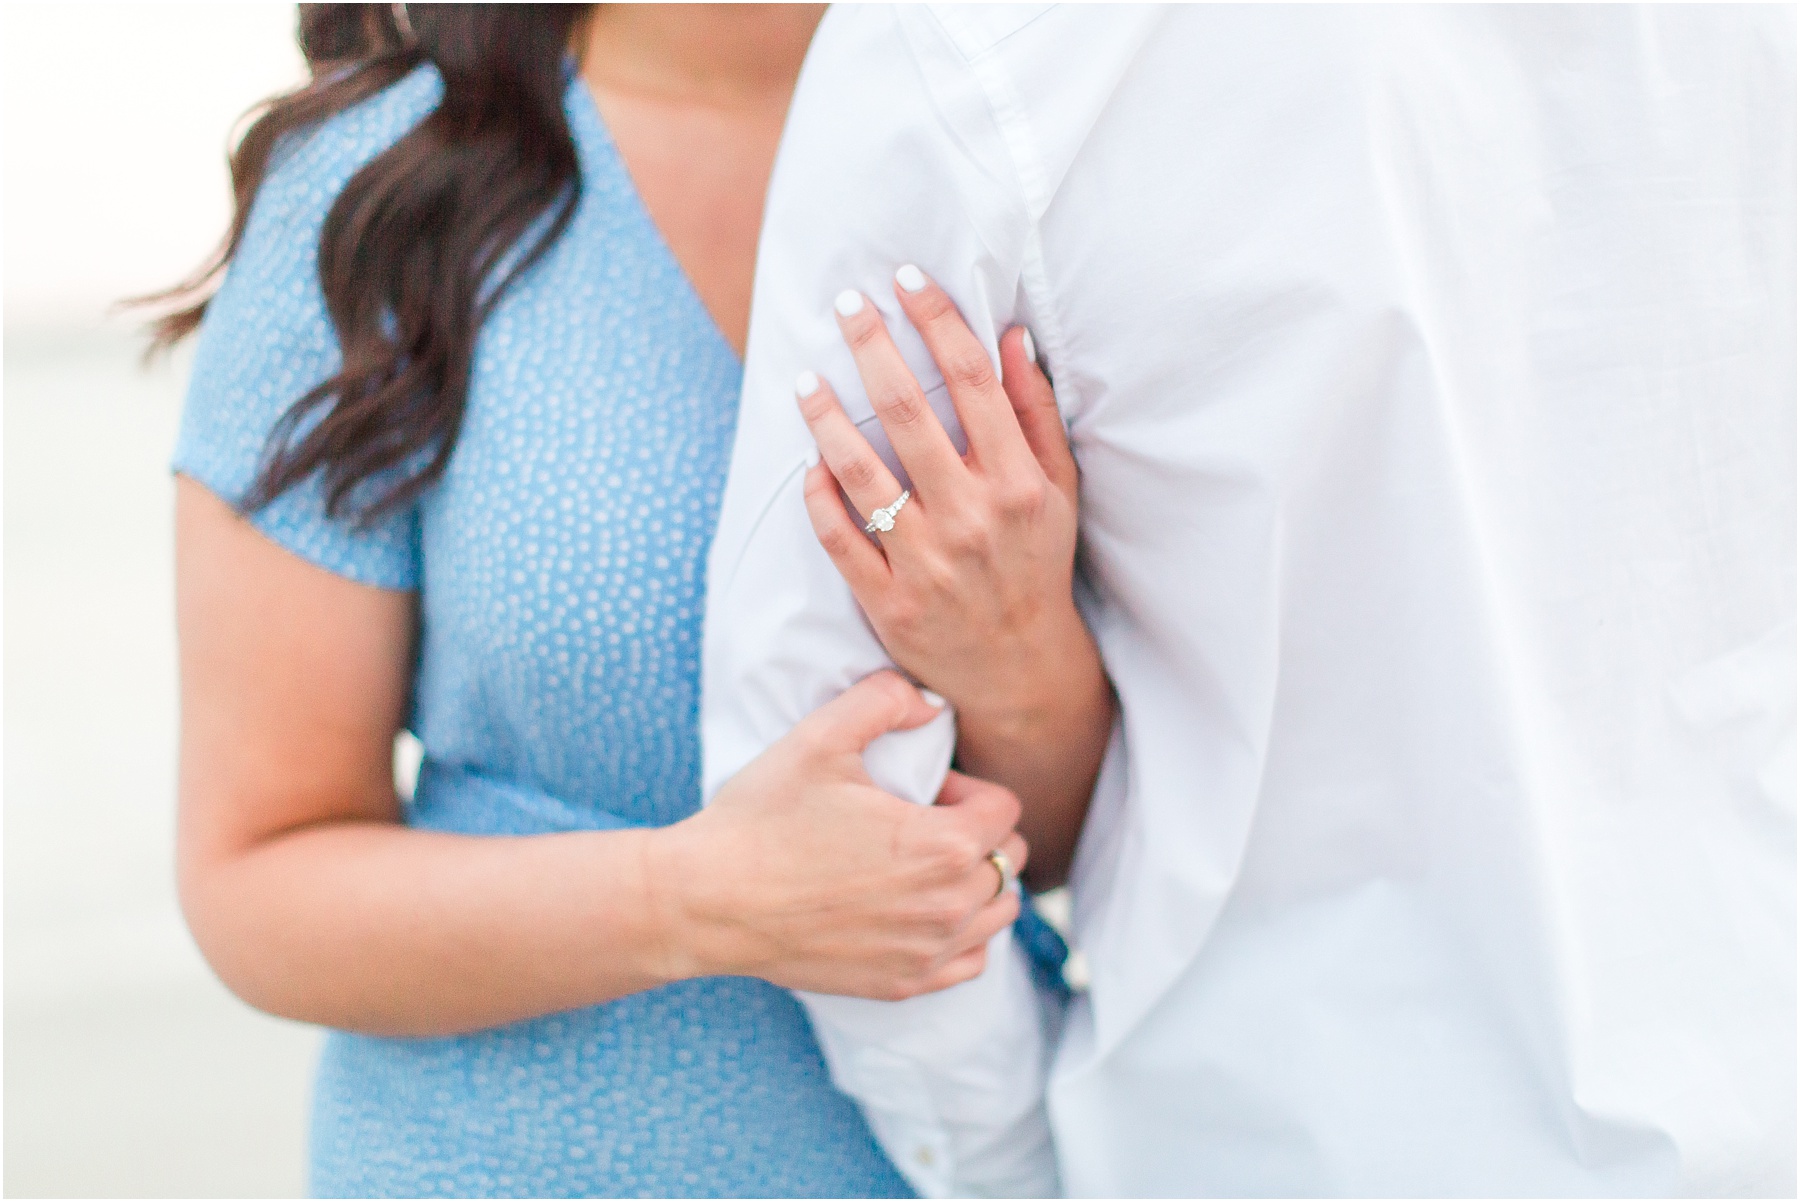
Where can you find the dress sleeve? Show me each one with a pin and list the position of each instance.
(267, 339)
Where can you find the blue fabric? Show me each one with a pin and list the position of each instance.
(559, 566)
(1046, 950)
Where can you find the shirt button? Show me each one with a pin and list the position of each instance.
(925, 1157)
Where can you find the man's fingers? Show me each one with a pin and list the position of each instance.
(865, 711)
(982, 404)
(1034, 406)
(845, 451)
(925, 450)
(858, 560)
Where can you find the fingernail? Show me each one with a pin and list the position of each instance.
(910, 278)
(812, 458)
(849, 302)
(1030, 345)
(805, 384)
(932, 699)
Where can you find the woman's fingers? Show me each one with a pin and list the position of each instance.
(965, 967)
(1016, 852)
(874, 705)
(925, 450)
(983, 886)
(858, 561)
(989, 921)
(1034, 406)
(846, 452)
(970, 955)
(991, 811)
(981, 402)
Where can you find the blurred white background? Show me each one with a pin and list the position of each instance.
(128, 1069)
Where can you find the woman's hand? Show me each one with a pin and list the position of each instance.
(312, 899)
(804, 873)
(971, 590)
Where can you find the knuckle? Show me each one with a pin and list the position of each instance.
(807, 743)
(921, 961)
(901, 615)
(863, 334)
(941, 577)
(970, 369)
(959, 849)
(858, 473)
(934, 305)
(896, 695)
(893, 687)
(818, 406)
(1005, 804)
(836, 541)
(903, 406)
(966, 533)
(1021, 498)
(1013, 807)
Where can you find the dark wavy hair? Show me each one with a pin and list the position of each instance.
(411, 255)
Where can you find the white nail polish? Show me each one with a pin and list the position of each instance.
(849, 302)
(812, 458)
(1030, 345)
(910, 278)
(805, 384)
(932, 699)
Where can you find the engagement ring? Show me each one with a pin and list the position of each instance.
(882, 520)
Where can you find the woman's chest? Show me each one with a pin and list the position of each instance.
(568, 538)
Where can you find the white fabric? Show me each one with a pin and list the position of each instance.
(1431, 373)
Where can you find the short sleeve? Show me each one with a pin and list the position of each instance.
(267, 340)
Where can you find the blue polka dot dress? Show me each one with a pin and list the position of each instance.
(559, 565)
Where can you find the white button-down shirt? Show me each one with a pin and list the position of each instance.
(1431, 374)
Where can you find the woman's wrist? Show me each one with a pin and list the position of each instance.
(1056, 690)
(1045, 743)
(680, 943)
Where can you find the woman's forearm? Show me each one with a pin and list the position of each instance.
(1047, 748)
(383, 929)
(799, 873)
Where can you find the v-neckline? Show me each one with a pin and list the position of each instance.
(588, 110)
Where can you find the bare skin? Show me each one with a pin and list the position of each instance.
(695, 97)
(313, 900)
(972, 590)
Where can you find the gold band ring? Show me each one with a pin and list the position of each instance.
(1004, 866)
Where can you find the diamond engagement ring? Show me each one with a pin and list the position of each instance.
(882, 520)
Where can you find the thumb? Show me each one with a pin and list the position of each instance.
(1034, 405)
(865, 711)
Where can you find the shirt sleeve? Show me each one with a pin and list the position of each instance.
(267, 340)
(892, 155)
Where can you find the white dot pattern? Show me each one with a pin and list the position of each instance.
(560, 567)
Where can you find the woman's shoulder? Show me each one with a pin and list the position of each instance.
(311, 166)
